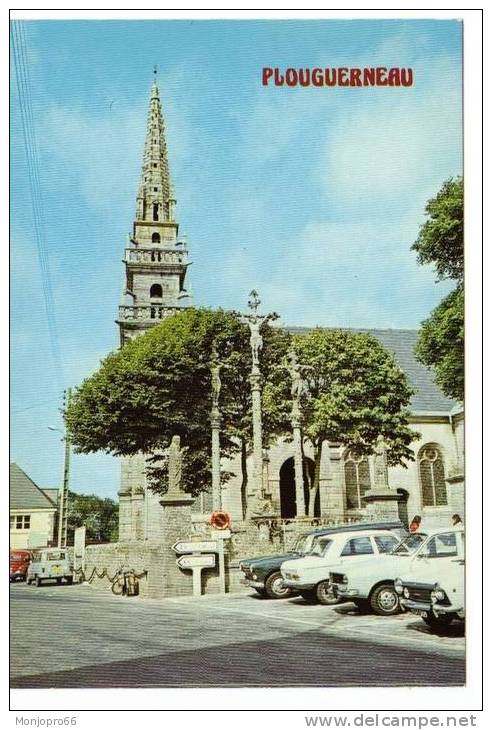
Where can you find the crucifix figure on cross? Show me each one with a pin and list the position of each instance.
(255, 322)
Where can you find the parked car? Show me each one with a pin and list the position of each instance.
(370, 583)
(436, 590)
(19, 563)
(50, 564)
(263, 572)
(310, 575)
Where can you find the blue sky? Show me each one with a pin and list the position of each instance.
(312, 196)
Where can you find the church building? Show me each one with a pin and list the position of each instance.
(156, 262)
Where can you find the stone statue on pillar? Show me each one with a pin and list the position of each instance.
(175, 466)
(255, 321)
(215, 368)
(297, 389)
(381, 500)
(381, 464)
(215, 422)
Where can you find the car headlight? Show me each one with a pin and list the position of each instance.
(437, 594)
(406, 593)
(399, 586)
(254, 576)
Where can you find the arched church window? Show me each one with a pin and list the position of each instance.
(156, 291)
(156, 238)
(357, 479)
(432, 481)
(155, 209)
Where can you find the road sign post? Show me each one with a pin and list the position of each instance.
(198, 559)
(201, 546)
(196, 563)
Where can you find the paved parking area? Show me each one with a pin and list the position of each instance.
(75, 636)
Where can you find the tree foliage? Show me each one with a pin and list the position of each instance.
(440, 239)
(441, 338)
(99, 515)
(441, 344)
(354, 391)
(159, 385)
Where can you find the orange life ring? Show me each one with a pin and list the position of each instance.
(220, 520)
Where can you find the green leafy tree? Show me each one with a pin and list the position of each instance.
(354, 391)
(440, 239)
(99, 515)
(440, 343)
(159, 385)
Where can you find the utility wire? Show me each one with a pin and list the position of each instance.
(32, 158)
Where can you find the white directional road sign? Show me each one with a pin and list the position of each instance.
(196, 561)
(205, 546)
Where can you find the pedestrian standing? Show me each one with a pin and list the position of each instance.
(415, 523)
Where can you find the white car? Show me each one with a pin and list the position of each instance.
(436, 592)
(310, 575)
(370, 583)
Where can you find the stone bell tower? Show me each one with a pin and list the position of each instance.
(155, 262)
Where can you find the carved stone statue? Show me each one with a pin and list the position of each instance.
(175, 465)
(381, 463)
(297, 386)
(256, 340)
(255, 322)
(215, 368)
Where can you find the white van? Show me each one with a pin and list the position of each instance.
(50, 564)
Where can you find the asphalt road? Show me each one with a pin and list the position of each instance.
(75, 636)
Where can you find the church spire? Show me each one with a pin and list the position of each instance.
(153, 202)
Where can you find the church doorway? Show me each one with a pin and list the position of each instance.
(288, 508)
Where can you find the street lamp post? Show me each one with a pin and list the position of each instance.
(63, 503)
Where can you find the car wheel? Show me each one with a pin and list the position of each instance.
(58, 581)
(37, 581)
(274, 586)
(325, 594)
(70, 580)
(384, 600)
(436, 621)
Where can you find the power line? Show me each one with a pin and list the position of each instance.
(35, 405)
(32, 158)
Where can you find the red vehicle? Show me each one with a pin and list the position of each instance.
(19, 563)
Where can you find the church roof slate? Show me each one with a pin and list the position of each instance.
(427, 396)
(25, 494)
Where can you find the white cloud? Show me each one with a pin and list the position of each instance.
(398, 146)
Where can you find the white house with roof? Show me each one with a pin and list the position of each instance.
(33, 512)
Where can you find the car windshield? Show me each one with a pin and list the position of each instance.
(444, 545)
(18, 556)
(409, 544)
(303, 544)
(321, 545)
(56, 556)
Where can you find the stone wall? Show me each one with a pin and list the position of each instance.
(163, 579)
(139, 556)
